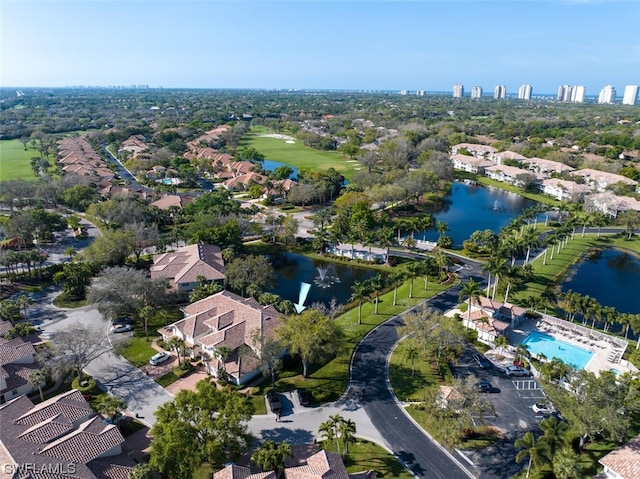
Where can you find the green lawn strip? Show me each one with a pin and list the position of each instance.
(364, 456)
(328, 382)
(15, 160)
(408, 386)
(297, 154)
(167, 379)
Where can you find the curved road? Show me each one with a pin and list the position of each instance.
(424, 457)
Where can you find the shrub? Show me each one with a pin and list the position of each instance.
(254, 391)
(85, 384)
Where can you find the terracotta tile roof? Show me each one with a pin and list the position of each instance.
(5, 326)
(16, 349)
(322, 465)
(625, 462)
(186, 264)
(17, 375)
(59, 439)
(235, 471)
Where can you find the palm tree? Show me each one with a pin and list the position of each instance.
(110, 406)
(359, 293)
(528, 448)
(37, 378)
(70, 251)
(396, 277)
(553, 437)
(271, 456)
(145, 314)
(411, 354)
(176, 344)
(501, 342)
(565, 464)
(376, 284)
(471, 289)
(329, 430)
(442, 227)
(413, 270)
(443, 261)
(530, 239)
(385, 239)
(23, 302)
(347, 431)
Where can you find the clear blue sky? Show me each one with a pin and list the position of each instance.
(427, 45)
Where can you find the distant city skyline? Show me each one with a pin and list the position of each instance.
(352, 45)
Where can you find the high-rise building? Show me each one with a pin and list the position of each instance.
(500, 92)
(564, 93)
(524, 92)
(577, 93)
(403, 92)
(630, 95)
(458, 91)
(607, 95)
(476, 92)
(420, 93)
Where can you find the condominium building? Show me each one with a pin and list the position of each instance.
(607, 95)
(403, 92)
(630, 95)
(420, 93)
(577, 94)
(564, 93)
(500, 92)
(524, 92)
(476, 92)
(458, 91)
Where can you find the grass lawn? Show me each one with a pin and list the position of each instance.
(365, 455)
(407, 386)
(328, 382)
(297, 154)
(15, 161)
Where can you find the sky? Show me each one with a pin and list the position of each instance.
(320, 44)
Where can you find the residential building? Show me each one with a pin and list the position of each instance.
(470, 164)
(458, 91)
(524, 92)
(500, 92)
(564, 190)
(419, 92)
(546, 167)
(17, 362)
(185, 267)
(610, 204)
(492, 318)
(601, 179)
(564, 93)
(577, 94)
(607, 95)
(226, 319)
(177, 201)
(476, 92)
(623, 463)
(630, 95)
(479, 151)
(359, 251)
(307, 461)
(404, 92)
(508, 155)
(506, 174)
(61, 437)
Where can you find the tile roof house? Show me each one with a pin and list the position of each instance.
(601, 179)
(184, 266)
(179, 201)
(546, 167)
(564, 190)
(479, 151)
(17, 362)
(307, 462)
(470, 164)
(225, 319)
(59, 438)
(610, 204)
(508, 174)
(508, 155)
(623, 463)
(492, 318)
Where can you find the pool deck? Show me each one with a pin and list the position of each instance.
(607, 350)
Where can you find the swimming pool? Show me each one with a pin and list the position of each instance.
(540, 343)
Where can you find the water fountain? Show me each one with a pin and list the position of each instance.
(326, 277)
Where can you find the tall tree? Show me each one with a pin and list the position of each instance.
(471, 290)
(250, 270)
(311, 335)
(359, 293)
(111, 406)
(411, 354)
(528, 448)
(80, 344)
(205, 425)
(37, 378)
(271, 456)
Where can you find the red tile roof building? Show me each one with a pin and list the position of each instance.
(623, 463)
(184, 267)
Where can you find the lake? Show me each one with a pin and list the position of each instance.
(611, 276)
(327, 279)
(469, 208)
(270, 165)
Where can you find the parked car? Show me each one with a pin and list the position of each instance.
(274, 401)
(482, 361)
(122, 328)
(543, 408)
(159, 358)
(305, 397)
(118, 321)
(516, 371)
(484, 387)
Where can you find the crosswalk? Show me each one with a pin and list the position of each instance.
(526, 385)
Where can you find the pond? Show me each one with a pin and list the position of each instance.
(327, 280)
(270, 165)
(469, 208)
(610, 275)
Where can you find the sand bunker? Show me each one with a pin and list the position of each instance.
(278, 136)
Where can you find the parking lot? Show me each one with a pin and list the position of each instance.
(513, 398)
